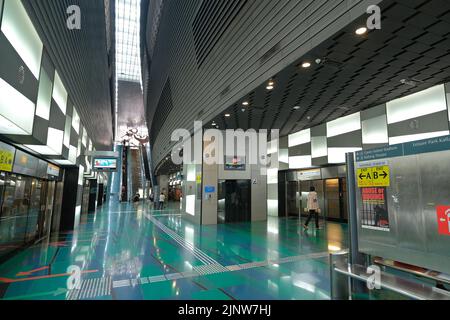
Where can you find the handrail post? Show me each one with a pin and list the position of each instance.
(339, 283)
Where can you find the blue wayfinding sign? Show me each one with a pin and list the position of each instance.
(405, 149)
(210, 189)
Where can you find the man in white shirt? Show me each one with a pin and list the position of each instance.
(162, 199)
(312, 206)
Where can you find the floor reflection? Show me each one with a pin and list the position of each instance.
(127, 252)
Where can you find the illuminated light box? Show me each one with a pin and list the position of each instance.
(104, 164)
(54, 144)
(235, 163)
(20, 32)
(375, 130)
(299, 138)
(337, 155)
(44, 99)
(190, 205)
(11, 121)
(60, 93)
(300, 162)
(416, 105)
(344, 125)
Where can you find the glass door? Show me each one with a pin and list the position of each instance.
(37, 198)
(14, 213)
(48, 198)
(293, 198)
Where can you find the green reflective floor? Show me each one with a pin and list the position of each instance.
(134, 252)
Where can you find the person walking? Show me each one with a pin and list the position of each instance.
(312, 206)
(162, 199)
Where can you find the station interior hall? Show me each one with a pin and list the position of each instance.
(224, 150)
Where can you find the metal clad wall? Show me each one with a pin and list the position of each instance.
(260, 41)
(418, 184)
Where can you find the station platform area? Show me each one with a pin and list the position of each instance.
(133, 252)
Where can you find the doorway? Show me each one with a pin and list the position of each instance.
(234, 201)
(331, 193)
(26, 209)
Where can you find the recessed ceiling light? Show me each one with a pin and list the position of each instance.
(271, 83)
(361, 31)
(269, 87)
(227, 115)
(245, 103)
(306, 65)
(296, 107)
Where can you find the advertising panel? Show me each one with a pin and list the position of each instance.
(374, 213)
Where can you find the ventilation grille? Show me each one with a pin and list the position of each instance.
(212, 20)
(163, 110)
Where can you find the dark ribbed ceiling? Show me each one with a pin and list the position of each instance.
(81, 58)
(355, 73)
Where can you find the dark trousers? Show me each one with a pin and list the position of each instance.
(161, 205)
(316, 216)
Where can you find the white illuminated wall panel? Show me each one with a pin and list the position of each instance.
(283, 156)
(20, 32)
(55, 140)
(272, 176)
(319, 147)
(299, 138)
(67, 131)
(190, 177)
(76, 122)
(375, 131)
(44, 99)
(337, 155)
(344, 125)
(419, 104)
(11, 120)
(300, 162)
(190, 205)
(60, 93)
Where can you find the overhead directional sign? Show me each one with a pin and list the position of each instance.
(373, 177)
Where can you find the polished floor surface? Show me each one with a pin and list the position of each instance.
(126, 252)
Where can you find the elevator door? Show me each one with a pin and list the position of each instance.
(234, 201)
(333, 199)
(293, 198)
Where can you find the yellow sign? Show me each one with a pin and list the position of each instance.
(6, 160)
(199, 178)
(373, 177)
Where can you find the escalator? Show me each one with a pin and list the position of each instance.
(135, 173)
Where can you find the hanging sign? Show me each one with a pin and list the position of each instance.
(373, 177)
(6, 157)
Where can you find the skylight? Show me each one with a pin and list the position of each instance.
(128, 60)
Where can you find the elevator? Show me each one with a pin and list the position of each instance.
(330, 185)
(234, 201)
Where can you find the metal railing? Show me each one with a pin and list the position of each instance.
(342, 273)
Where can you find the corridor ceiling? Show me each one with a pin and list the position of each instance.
(355, 72)
(82, 58)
